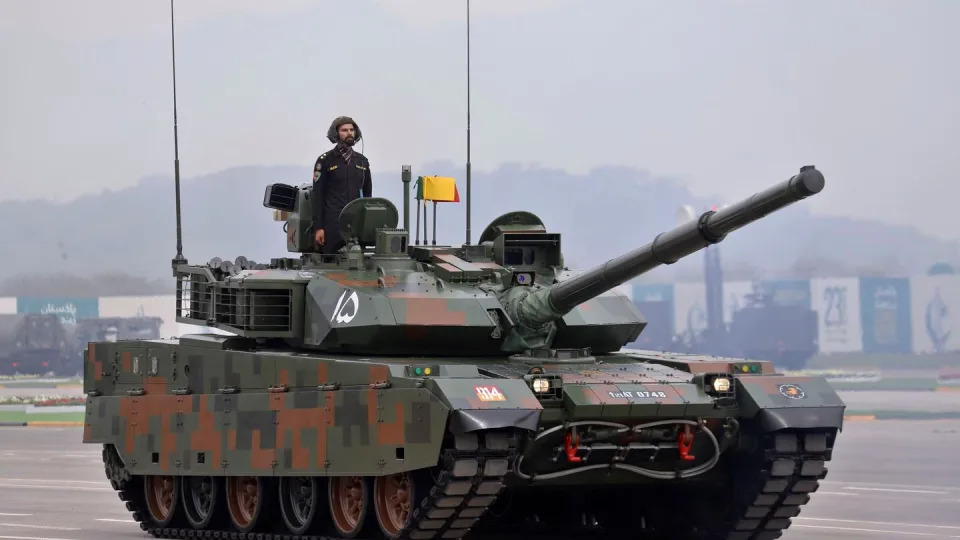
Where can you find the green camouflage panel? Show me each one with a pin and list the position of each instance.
(397, 312)
(697, 363)
(635, 401)
(306, 415)
(603, 323)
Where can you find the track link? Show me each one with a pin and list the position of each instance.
(793, 463)
(467, 482)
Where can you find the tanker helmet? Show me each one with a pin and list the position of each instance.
(335, 125)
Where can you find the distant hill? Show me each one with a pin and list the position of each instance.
(601, 214)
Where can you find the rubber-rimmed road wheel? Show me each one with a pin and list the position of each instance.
(301, 503)
(246, 501)
(395, 497)
(161, 494)
(203, 500)
(349, 504)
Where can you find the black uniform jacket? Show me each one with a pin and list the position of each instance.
(336, 183)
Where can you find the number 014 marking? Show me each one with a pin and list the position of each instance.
(489, 393)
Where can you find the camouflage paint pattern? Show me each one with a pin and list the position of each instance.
(337, 390)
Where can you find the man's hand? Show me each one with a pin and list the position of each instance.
(318, 237)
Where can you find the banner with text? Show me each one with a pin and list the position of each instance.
(67, 309)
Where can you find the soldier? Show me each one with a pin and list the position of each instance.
(340, 175)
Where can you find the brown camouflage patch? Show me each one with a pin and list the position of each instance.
(97, 364)
(206, 437)
(348, 281)
(432, 311)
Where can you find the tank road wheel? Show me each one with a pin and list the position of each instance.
(349, 504)
(301, 503)
(395, 498)
(161, 494)
(202, 498)
(247, 502)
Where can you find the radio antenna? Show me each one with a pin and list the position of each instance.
(468, 123)
(179, 259)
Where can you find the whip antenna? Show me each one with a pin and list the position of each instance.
(179, 259)
(468, 122)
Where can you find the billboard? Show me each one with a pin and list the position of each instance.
(935, 313)
(885, 315)
(8, 306)
(67, 309)
(838, 306)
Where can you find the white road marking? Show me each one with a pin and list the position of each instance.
(852, 529)
(31, 538)
(898, 490)
(891, 523)
(14, 515)
(117, 520)
(838, 493)
(63, 488)
(50, 527)
(877, 484)
(56, 480)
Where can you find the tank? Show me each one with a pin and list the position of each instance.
(397, 390)
(34, 344)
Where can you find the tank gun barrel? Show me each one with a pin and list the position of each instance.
(671, 246)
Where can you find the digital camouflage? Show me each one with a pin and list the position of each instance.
(398, 391)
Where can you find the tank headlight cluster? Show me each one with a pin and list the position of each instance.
(540, 385)
(719, 385)
(544, 386)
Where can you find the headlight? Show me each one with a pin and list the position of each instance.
(721, 384)
(541, 386)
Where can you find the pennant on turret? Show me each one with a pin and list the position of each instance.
(437, 189)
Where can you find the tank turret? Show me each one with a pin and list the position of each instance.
(382, 295)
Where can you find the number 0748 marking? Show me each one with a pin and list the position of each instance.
(489, 393)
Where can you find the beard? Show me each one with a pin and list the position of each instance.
(349, 140)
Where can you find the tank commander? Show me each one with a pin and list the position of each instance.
(340, 175)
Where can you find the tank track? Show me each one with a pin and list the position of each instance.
(768, 484)
(793, 465)
(468, 482)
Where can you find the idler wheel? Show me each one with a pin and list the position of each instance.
(349, 504)
(161, 494)
(300, 503)
(395, 496)
(202, 498)
(246, 501)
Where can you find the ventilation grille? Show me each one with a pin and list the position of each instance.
(245, 309)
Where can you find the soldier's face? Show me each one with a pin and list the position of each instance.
(346, 133)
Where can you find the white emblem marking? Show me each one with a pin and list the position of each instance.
(340, 312)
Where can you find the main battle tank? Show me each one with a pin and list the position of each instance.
(413, 391)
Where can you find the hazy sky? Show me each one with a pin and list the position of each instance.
(728, 96)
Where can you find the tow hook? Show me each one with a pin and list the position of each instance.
(685, 443)
(570, 446)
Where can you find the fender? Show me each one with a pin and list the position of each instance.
(478, 404)
(785, 402)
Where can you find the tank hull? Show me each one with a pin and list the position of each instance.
(466, 436)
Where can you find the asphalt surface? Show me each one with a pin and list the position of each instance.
(888, 479)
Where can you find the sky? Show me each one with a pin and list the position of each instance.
(727, 96)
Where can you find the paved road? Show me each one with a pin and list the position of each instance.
(889, 480)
